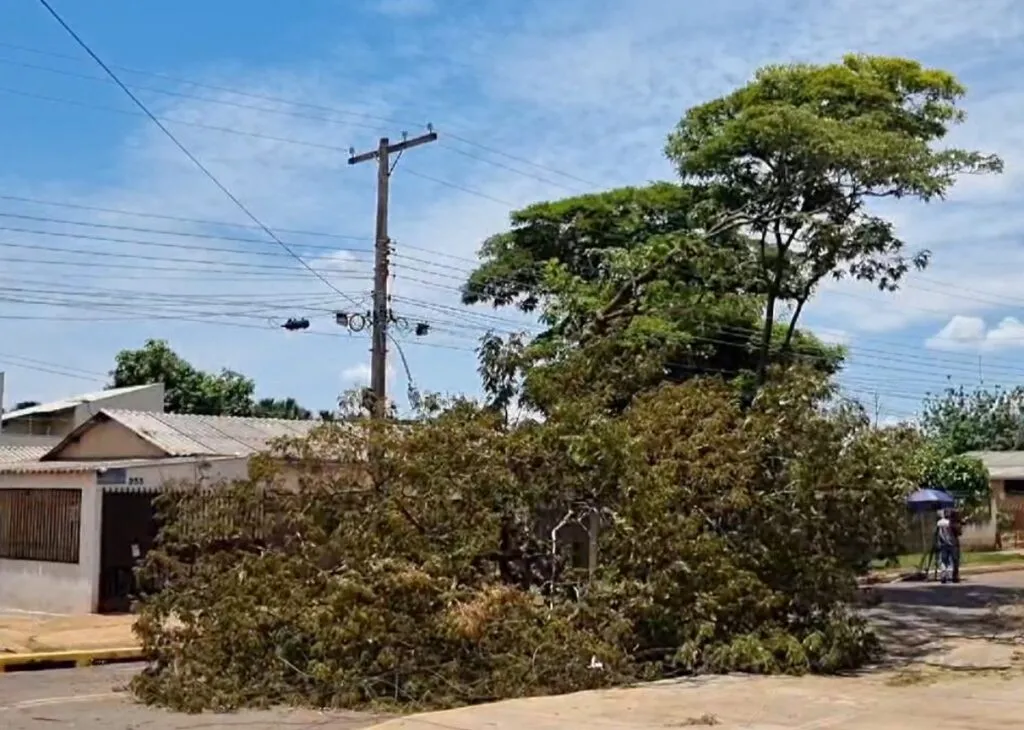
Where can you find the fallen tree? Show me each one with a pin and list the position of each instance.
(730, 539)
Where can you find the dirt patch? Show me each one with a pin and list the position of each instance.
(31, 633)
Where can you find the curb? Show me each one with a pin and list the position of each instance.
(1009, 567)
(61, 659)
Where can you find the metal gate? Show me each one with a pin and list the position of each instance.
(128, 531)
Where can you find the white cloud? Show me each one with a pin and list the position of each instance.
(971, 333)
(356, 374)
(586, 88)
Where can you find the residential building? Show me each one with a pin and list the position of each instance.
(59, 418)
(78, 516)
(1006, 476)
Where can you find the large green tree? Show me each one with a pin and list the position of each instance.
(287, 408)
(191, 390)
(639, 286)
(568, 260)
(796, 156)
(983, 419)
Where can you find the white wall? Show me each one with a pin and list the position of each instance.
(192, 472)
(32, 585)
(150, 398)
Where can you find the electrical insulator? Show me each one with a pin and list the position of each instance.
(296, 324)
(422, 328)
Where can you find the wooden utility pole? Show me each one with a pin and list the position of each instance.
(381, 251)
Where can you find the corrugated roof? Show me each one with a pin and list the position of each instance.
(13, 453)
(1001, 464)
(65, 467)
(66, 403)
(190, 435)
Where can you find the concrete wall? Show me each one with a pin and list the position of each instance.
(193, 472)
(31, 585)
(61, 423)
(150, 398)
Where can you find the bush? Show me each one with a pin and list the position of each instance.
(730, 539)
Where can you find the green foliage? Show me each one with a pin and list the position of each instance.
(568, 261)
(796, 155)
(190, 390)
(446, 559)
(965, 477)
(287, 408)
(450, 572)
(980, 420)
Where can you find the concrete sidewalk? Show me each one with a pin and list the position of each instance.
(878, 702)
(24, 632)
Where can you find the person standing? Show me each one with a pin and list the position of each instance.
(945, 543)
(958, 529)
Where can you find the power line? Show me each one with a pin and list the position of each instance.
(244, 133)
(382, 251)
(180, 219)
(296, 103)
(164, 232)
(167, 132)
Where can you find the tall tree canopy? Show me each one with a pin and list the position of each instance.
(962, 420)
(669, 281)
(796, 155)
(190, 390)
(568, 260)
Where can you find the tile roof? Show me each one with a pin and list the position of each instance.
(14, 453)
(65, 467)
(190, 435)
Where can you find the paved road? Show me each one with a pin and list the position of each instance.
(93, 698)
(914, 617)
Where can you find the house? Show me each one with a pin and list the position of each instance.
(61, 417)
(1006, 476)
(75, 515)
(18, 447)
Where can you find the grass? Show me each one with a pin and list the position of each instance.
(967, 559)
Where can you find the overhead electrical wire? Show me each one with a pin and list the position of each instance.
(184, 150)
(259, 225)
(589, 184)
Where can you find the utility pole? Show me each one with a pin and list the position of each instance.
(381, 251)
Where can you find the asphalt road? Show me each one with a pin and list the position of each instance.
(93, 698)
(913, 615)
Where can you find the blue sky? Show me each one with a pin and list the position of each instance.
(108, 236)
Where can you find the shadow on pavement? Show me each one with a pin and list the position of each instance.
(918, 619)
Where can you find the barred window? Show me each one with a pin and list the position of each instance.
(40, 524)
(1013, 487)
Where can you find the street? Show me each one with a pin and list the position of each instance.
(94, 697)
(913, 617)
